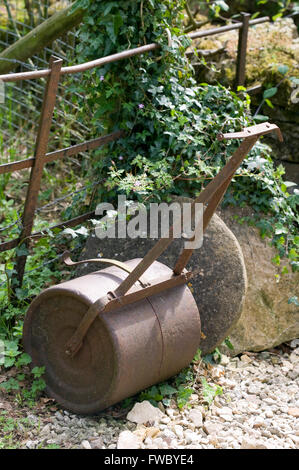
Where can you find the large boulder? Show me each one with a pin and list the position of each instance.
(267, 318)
(219, 286)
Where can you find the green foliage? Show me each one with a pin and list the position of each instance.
(179, 389)
(273, 8)
(10, 430)
(26, 386)
(210, 391)
(171, 123)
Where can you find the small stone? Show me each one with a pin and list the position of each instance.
(173, 444)
(213, 440)
(167, 434)
(148, 441)
(128, 440)
(225, 410)
(293, 412)
(295, 439)
(161, 407)
(212, 428)
(97, 443)
(171, 412)
(252, 444)
(224, 360)
(196, 417)
(31, 444)
(179, 431)
(245, 358)
(152, 432)
(159, 443)
(165, 420)
(140, 432)
(59, 416)
(265, 355)
(144, 412)
(294, 343)
(294, 374)
(85, 445)
(258, 423)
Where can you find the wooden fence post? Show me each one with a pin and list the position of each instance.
(37, 169)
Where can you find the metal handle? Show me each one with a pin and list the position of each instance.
(113, 262)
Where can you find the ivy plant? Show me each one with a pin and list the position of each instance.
(170, 121)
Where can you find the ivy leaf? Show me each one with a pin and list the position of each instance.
(283, 69)
(270, 92)
(70, 231)
(166, 389)
(295, 80)
(224, 6)
(83, 231)
(22, 251)
(261, 117)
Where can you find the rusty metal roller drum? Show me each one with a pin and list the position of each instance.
(123, 352)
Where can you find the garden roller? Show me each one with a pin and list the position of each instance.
(107, 335)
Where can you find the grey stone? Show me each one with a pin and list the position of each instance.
(85, 445)
(97, 443)
(144, 412)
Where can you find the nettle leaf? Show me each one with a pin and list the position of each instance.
(23, 360)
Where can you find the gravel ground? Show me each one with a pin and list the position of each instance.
(258, 409)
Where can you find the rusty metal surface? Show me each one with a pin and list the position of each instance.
(251, 131)
(62, 153)
(12, 77)
(67, 260)
(223, 29)
(110, 302)
(242, 50)
(215, 190)
(124, 351)
(40, 151)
